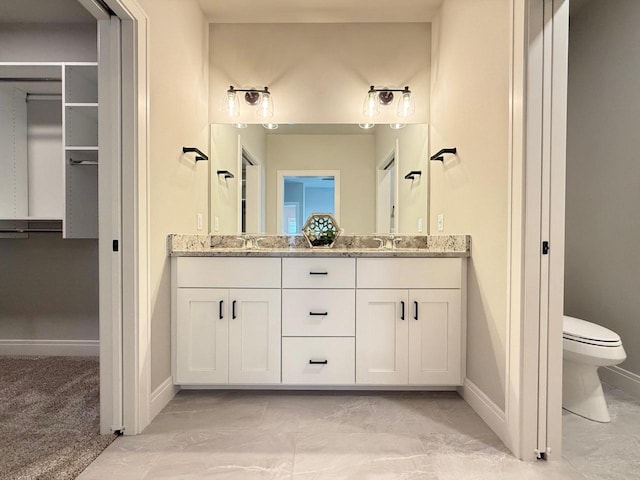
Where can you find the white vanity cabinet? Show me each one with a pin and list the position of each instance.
(409, 328)
(318, 321)
(226, 321)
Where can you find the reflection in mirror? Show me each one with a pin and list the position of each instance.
(284, 175)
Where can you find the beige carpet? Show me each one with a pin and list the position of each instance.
(49, 417)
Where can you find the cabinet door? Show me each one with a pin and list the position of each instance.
(382, 318)
(202, 345)
(254, 336)
(435, 337)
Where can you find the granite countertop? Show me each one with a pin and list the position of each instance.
(183, 245)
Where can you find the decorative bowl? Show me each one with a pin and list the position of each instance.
(321, 230)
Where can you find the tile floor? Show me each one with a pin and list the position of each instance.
(313, 435)
(605, 451)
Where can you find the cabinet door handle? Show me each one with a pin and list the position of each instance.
(318, 314)
(233, 310)
(318, 273)
(220, 310)
(415, 304)
(318, 362)
(402, 311)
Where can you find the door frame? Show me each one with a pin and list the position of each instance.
(539, 74)
(134, 240)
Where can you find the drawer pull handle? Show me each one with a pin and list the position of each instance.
(402, 311)
(318, 273)
(318, 362)
(415, 304)
(233, 310)
(220, 310)
(318, 314)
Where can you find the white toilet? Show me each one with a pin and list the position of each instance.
(586, 347)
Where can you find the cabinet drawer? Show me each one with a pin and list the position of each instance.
(410, 272)
(228, 272)
(338, 353)
(318, 273)
(318, 313)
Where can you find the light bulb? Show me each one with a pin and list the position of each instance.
(270, 126)
(231, 103)
(406, 105)
(366, 126)
(397, 126)
(370, 107)
(265, 107)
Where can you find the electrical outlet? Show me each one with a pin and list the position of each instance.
(199, 221)
(420, 225)
(216, 223)
(440, 222)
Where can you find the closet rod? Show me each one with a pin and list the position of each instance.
(43, 96)
(30, 79)
(82, 162)
(30, 230)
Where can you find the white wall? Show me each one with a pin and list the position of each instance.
(320, 73)
(37, 42)
(413, 150)
(602, 266)
(48, 286)
(178, 72)
(470, 111)
(352, 155)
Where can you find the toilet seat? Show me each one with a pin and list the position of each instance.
(581, 331)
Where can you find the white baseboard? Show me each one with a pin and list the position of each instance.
(54, 348)
(161, 396)
(623, 379)
(492, 415)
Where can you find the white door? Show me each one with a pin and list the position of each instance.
(383, 201)
(254, 336)
(253, 200)
(382, 318)
(202, 336)
(435, 337)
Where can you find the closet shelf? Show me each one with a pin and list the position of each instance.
(95, 105)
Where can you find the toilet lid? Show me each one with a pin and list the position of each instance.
(587, 332)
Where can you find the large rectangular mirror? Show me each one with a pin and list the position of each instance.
(373, 181)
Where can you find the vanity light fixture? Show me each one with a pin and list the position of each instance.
(397, 126)
(252, 96)
(366, 126)
(270, 126)
(385, 96)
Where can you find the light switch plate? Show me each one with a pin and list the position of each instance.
(440, 222)
(420, 225)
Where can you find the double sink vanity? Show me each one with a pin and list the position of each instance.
(267, 310)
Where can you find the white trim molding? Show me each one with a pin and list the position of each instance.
(625, 380)
(488, 411)
(53, 348)
(161, 396)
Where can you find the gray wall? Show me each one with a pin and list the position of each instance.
(48, 286)
(602, 271)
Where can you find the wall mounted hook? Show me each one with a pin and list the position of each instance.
(226, 173)
(200, 155)
(412, 174)
(440, 155)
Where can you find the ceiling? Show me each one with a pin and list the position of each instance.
(318, 11)
(41, 11)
